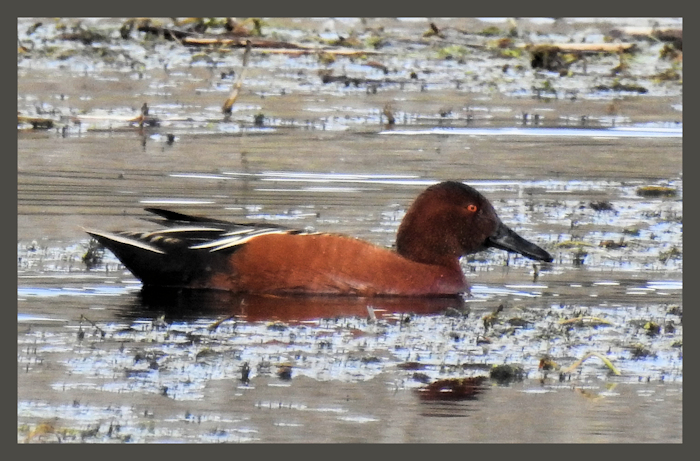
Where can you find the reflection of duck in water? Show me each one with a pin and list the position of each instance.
(447, 221)
(194, 304)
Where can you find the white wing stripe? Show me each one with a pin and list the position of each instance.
(184, 230)
(129, 241)
(235, 240)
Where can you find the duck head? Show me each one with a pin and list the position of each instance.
(449, 220)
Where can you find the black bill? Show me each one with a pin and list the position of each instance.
(506, 239)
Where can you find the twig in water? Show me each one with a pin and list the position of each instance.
(239, 81)
(591, 354)
(102, 332)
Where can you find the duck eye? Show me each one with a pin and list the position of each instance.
(471, 208)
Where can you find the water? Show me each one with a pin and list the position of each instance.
(101, 361)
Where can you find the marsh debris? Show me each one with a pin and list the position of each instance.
(238, 83)
(284, 372)
(603, 358)
(619, 87)
(672, 253)
(672, 36)
(668, 75)
(277, 326)
(613, 245)
(640, 351)
(601, 205)
(652, 328)
(37, 123)
(94, 254)
(245, 373)
(490, 319)
(433, 31)
(507, 373)
(656, 191)
(547, 363)
(411, 366)
(581, 321)
(520, 322)
(453, 389)
(388, 112)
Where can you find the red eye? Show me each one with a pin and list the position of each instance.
(471, 208)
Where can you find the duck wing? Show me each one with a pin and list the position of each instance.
(186, 249)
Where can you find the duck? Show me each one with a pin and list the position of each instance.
(447, 221)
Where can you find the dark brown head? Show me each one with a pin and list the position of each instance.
(449, 220)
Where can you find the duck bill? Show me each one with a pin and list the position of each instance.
(506, 239)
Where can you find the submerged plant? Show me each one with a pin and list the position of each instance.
(94, 254)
